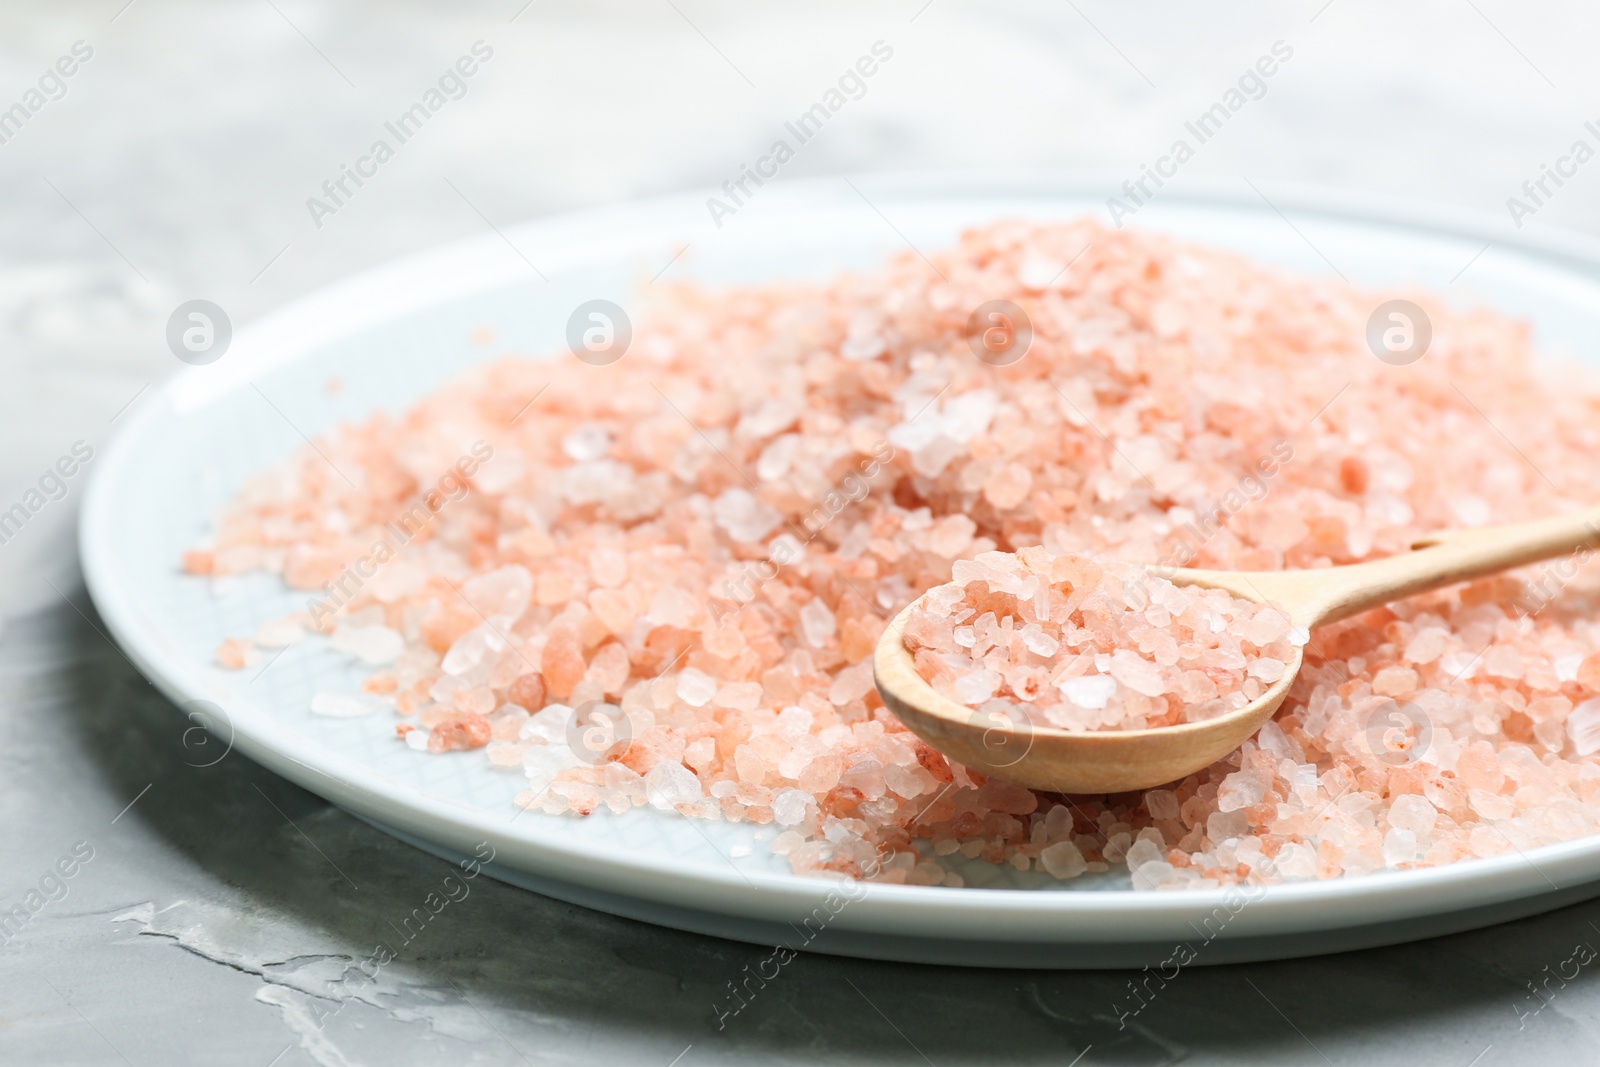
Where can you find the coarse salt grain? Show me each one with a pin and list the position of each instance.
(669, 784)
(1063, 860)
(1183, 670)
(370, 644)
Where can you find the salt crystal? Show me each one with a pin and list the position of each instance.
(596, 482)
(1161, 803)
(967, 415)
(1038, 642)
(744, 696)
(370, 644)
(1142, 852)
(817, 623)
(1399, 846)
(1227, 825)
(501, 594)
(468, 651)
(695, 687)
(1491, 806)
(777, 459)
(1460, 666)
(1038, 273)
(1503, 662)
(1058, 823)
(744, 517)
(770, 416)
(1090, 690)
(907, 782)
(789, 806)
(1267, 670)
(1411, 812)
(669, 784)
(975, 686)
(1271, 738)
(504, 753)
(1427, 645)
(1239, 790)
(541, 763)
(1136, 673)
(280, 633)
(852, 683)
(1063, 860)
(865, 775)
(1394, 681)
(590, 441)
(930, 450)
(794, 723)
(1583, 727)
(549, 724)
(861, 349)
(1296, 861)
(1265, 626)
(672, 606)
(395, 581)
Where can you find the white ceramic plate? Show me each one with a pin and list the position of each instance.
(393, 334)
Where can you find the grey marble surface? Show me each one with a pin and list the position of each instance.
(222, 910)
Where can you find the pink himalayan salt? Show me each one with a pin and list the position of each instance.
(1164, 383)
(234, 653)
(1088, 643)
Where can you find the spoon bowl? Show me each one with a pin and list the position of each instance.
(1113, 761)
(1050, 758)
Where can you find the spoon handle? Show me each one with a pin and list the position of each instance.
(1324, 595)
(1452, 556)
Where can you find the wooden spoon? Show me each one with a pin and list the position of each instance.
(1113, 761)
